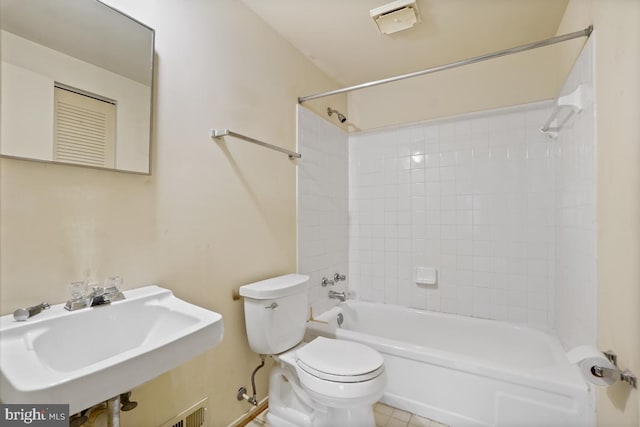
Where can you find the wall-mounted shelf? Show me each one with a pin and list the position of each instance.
(220, 133)
(567, 105)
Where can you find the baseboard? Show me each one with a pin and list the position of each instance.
(253, 412)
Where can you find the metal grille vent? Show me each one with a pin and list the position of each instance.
(84, 129)
(196, 416)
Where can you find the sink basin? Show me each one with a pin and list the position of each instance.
(90, 355)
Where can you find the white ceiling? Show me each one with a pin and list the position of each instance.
(341, 38)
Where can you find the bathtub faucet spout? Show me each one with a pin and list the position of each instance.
(342, 296)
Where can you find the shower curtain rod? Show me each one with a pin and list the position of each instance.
(546, 42)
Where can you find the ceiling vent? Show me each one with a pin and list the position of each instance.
(396, 16)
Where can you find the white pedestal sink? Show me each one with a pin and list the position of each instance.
(90, 355)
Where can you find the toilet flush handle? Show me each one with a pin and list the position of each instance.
(273, 306)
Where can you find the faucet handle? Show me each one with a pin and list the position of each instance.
(113, 288)
(79, 297)
(78, 290)
(339, 277)
(113, 283)
(326, 282)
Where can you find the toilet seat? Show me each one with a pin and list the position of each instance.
(339, 378)
(337, 373)
(339, 361)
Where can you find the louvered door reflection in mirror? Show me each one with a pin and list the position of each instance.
(76, 84)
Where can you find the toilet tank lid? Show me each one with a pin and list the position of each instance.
(276, 287)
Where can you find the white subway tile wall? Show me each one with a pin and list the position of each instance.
(471, 196)
(575, 215)
(323, 218)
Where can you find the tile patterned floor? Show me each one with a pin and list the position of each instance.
(386, 416)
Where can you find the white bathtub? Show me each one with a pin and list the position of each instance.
(464, 371)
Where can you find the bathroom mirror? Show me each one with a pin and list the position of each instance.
(76, 84)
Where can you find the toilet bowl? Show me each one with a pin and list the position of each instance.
(328, 383)
(340, 373)
(323, 383)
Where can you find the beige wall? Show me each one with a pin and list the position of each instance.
(215, 216)
(510, 80)
(210, 218)
(63, 223)
(617, 67)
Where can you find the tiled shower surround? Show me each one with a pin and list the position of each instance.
(323, 217)
(575, 216)
(470, 196)
(505, 214)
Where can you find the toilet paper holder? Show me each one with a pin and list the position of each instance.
(604, 372)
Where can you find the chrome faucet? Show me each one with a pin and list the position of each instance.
(101, 295)
(342, 296)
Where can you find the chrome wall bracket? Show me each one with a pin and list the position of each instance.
(625, 376)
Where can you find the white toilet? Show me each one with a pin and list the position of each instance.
(325, 382)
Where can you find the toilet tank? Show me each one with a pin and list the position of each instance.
(276, 312)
